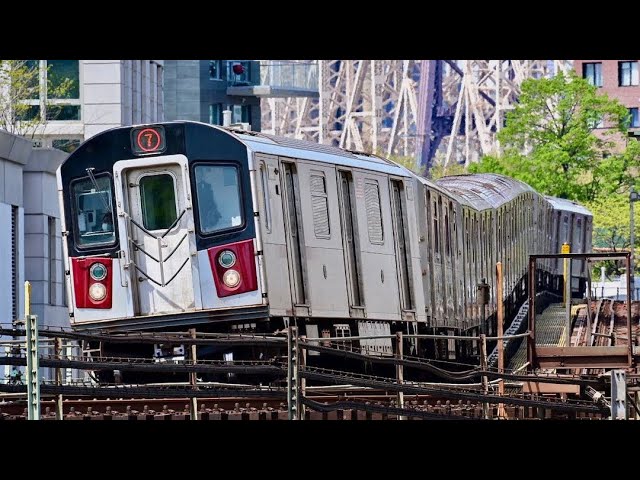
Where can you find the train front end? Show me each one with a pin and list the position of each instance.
(160, 231)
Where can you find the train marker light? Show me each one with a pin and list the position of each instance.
(231, 278)
(97, 292)
(98, 271)
(227, 259)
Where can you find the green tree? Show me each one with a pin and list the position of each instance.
(437, 171)
(611, 229)
(549, 140)
(22, 97)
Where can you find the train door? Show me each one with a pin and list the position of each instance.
(274, 243)
(402, 249)
(157, 204)
(351, 242)
(321, 240)
(447, 263)
(294, 238)
(378, 260)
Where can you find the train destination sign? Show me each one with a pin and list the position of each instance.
(148, 140)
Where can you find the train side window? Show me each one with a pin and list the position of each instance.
(265, 197)
(320, 205)
(436, 229)
(374, 213)
(158, 201)
(93, 211)
(218, 195)
(447, 235)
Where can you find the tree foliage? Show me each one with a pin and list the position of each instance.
(549, 141)
(611, 222)
(24, 106)
(437, 171)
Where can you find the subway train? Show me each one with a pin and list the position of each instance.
(182, 225)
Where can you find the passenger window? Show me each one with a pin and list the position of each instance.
(265, 197)
(374, 214)
(158, 201)
(320, 205)
(94, 211)
(219, 203)
(436, 228)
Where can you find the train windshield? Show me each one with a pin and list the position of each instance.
(94, 212)
(219, 205)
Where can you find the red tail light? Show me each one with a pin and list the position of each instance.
(234, 268)
(92, 279)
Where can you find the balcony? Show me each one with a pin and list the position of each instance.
(282, 78)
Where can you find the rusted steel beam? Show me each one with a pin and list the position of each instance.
(541, 388)
(583, 357)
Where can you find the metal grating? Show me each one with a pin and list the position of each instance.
(14, 262)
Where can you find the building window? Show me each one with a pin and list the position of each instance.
(628, 73)
(215, 68)
(65, 144)
(596, 122)
(215, 114)
(634, 120)
(240, 113)
(238, 72)
(592, 72)
(52, 90)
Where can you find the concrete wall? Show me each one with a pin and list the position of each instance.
(43, 246)
(14, 154)
(182, 90)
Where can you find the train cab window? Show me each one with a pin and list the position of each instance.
(93, 212)
(219, 204)
(158, 201)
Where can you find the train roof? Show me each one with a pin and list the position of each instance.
(567, 205)
(294, 148)
(484, 190)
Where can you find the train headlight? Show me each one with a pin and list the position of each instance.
(231, 278)
(97, 292)
(98, 271)
(227, 259)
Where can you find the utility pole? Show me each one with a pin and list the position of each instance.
(33, 382)
(566, 248)
(500, 312)
(293, 374)
(400, 373)
(193, 379)
(58, 355)
(633, 197)
(483, 300)
(485, 380)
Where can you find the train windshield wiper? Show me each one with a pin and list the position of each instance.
(107, 204)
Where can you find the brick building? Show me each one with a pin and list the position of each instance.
(617, 78)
